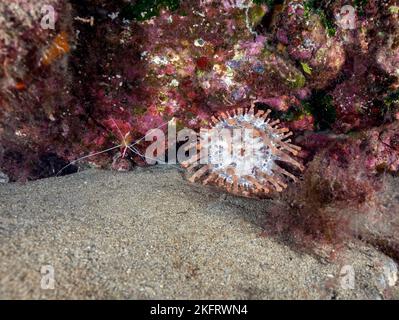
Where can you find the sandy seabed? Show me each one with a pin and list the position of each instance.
(150, 234)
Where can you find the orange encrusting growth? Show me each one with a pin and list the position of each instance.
(57, 49)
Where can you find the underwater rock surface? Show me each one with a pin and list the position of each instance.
(109, 72)
(34, 85)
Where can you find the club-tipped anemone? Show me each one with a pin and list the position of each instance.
(244, 152)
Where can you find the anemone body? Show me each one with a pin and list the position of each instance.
(244, 152)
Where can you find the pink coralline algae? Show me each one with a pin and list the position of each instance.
(34, 83)
(208, 59)
(301, 34)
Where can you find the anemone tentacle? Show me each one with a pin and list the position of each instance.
(247, 158)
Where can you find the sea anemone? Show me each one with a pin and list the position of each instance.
(245, 153)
